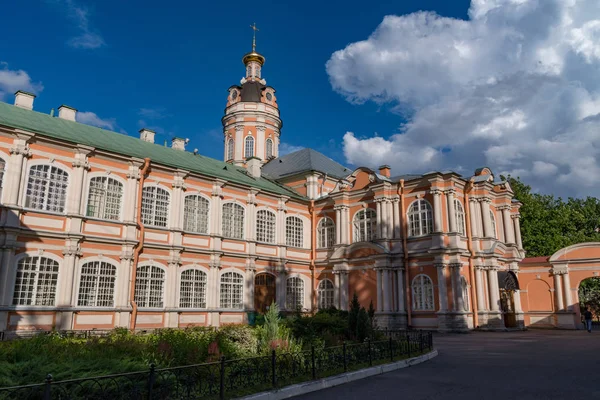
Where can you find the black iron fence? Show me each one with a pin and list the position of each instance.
(228, 378)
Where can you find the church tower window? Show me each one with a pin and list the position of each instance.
(249, 148)
(230, 148)
(269, 149)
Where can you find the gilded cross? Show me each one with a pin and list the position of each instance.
(254, 28)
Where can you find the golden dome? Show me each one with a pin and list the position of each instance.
(253, 56)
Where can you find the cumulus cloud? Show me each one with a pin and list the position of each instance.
(515, 87)
(13, 80)
(87, 37)
(90, 118)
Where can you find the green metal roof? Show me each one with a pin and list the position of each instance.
(102, 139)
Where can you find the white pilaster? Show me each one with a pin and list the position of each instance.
(481, 306)
(396, 212)
(344, 290)
(77, 181)
(442, 291)
(568, 292)
(177, 202)
(7, 276)
(437, 210)
(338, 225)
(517, 301)
(487, 221)
(517, 226)
(508, 228)
(123, 276)
(131, 191)
(494, 289)
(384, 219)
(379, 229)
(14, 170)
(239, 143)
(387, 294)
(473, 217)
(250, 273)
(558, 292)
(451, 213)
(260, 141)
(346, 226)
(400, 290)
(336, 290)
(67, 279)
(379, 290)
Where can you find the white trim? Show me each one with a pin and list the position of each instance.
(234, 201)
(209, 216)
(77, 284)
(86, 193)
(407, 216)
(178, 285)
(15, 265)
(25, 184)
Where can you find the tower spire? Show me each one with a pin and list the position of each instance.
(254, 28)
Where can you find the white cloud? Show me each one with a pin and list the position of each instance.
(90, 118)
(516, 87)
(87, 38)
(13, 80)
(285, 148)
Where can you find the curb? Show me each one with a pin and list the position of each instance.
(331, 381)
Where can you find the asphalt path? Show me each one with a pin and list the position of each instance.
(536, 364)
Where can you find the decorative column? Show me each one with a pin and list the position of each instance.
(494, 289)
(239, 143)
(214, 287)
(336, 289)
(396, 214)
(379, 290)
(517, 225)
(473, 217)
(260, 141)
(400, 290)
(481, 306)
(68, 274)
(558, 291)
(344, 290)
(508, 228)
(177, 203)
(130, 192)
(216, 212)
(387, 295)
(250, 273)
(7, 275)
(338, 224)
(437, 210)
(442, 291)
(346, 225)
(379, 228)
(251, 214)
(457, 296)
(281, 212)
(568, 293)
(451, 213)
(123, 277)
(487, 222)
(517, 302)
(12, 181)
(77, 181)
(171, 290)
(281, 286)
(384, 219)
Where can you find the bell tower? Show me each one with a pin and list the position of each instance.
(251, 125)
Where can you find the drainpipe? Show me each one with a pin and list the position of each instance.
(139, 245)
(313, 252)
(405, 248)
(470, 248)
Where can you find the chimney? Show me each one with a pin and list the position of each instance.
(147, 135)
(253, 165)
(66, 112)
(24, 99)
(385, 171)
(179, 143)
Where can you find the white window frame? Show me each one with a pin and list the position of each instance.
(423, 298)
(325, 233)
(420, 218)
(36, 282)
(232, 222)
(105, 196)
(493, 224)
(326, 294)
(143, 299)
(203, 298)
(266, 229)
(153, 209)
(44, 207)
(196, 214)
(249, 145)
(226, 298)
(97, 292)
(459, 216)
(294, 293)
(294, 232)
(364, 228)
(268, 148)
(230, 149)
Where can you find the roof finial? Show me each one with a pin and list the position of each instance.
(254, 28)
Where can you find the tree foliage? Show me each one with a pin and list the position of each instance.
(549, 224)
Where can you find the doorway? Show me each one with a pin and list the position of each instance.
(264, 292)
(508, 284)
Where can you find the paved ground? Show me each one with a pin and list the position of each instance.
(485, 366)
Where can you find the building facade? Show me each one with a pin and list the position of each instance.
(101, 230)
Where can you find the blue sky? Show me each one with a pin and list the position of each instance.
(169, 64)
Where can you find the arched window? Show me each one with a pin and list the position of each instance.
(459, 215)
(325, 233)
(149, 286)
(36, 281)
(365, 225)
(493, 221)
(233, 221)
(269, 149)
(249, 71)
(465, 292)
(97, 284)
(47, 188)
(294, 293)
(105, 198)
(2, 168)
(195, 214)
(232, 290)
(249, 149)
(419, 218)
(294, 232)
(257, 71)
(230, 149)
(422, 290)
(192, 289)
(155, 206)
(265, 226)
(325, 294)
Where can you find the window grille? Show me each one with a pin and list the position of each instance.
(105, 198)
(325, 293)
(294, 232)
(419, 218)
(233, 221)
(192, 290)
(422, 289)
(265, 226)
(269, 146)
(249, 147)
(149, 286)
(230, 149)
(47, 188)
(155, 206)
(459, 215)
(326, 233)
(365, 225)
(195, 214)
(294, 293)
(232, 289)
(36, 282)
(97, 284)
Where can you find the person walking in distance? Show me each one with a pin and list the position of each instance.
(588, 319)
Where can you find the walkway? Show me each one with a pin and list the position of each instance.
(535, 364)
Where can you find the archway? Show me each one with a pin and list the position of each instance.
(588, 295)
(508, 284)
(264, 292)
